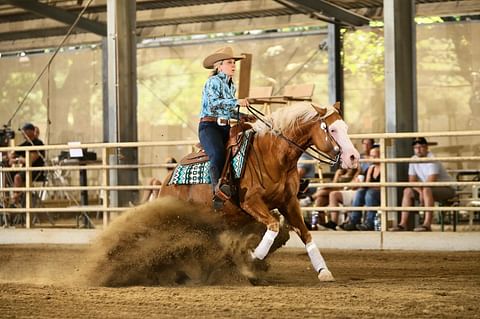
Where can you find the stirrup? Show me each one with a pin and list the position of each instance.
(223, 191)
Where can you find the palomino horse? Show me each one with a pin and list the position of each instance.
(270, 179)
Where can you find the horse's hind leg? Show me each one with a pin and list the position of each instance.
(293, 215)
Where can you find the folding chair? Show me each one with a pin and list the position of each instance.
(299, 92)
(262, 92)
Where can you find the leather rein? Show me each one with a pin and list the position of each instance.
(319, 155)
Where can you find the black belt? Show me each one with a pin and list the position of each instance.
(218, 120)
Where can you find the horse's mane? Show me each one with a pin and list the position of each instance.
(288, 118)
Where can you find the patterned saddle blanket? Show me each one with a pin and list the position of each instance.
(190, 172)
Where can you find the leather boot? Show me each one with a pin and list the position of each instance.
(217, 201)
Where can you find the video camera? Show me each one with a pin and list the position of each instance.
(6, 134)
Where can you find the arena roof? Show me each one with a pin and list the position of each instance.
(31, 19)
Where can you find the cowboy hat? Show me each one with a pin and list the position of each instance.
(221, 54)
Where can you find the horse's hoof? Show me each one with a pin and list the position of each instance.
(255, 281)
(181, 277)
(325, 275)
(247, 272)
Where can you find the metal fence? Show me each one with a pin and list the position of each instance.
(105, 189)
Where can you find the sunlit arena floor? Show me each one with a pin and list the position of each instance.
(47, 281)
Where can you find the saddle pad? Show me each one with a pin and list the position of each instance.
(199, 173)
(238, 161)
(187, 174)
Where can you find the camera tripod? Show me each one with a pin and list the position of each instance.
(57, 178)
(7, 201)
(5, 180)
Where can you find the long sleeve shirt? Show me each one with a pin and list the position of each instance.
(218, 97)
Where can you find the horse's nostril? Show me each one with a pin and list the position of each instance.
(352, 158)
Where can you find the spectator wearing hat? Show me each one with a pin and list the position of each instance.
(425, 172)
(36, 159)
(219, 105)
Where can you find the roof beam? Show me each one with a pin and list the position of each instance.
(333, 11)
(31, 34)
(59, 15)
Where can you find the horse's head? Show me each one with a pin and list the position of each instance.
(301, 125)
(331, 136)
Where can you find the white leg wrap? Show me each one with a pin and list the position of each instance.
(315, 257)
(262, 249)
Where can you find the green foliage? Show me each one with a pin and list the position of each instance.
(428, 20)
(364, 56)
(14, 88)
(169, 92)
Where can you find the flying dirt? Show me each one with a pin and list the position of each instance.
(171, 242)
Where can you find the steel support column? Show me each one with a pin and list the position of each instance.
(335, 64)
(400, 85)
(121, 118)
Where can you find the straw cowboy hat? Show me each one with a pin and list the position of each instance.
(221, 54)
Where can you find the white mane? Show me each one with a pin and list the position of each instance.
(288, 117)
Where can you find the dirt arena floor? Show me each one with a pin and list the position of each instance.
(43, 282)
(171, 259)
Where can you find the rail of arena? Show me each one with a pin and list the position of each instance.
(465, 240)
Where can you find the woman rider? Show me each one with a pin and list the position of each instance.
(219, 104)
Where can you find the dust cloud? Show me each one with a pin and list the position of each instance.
(170, 242)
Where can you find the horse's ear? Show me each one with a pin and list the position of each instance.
(337, 106)
(321, 110)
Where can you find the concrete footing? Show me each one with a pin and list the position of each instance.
(11, 236)
(442, 241)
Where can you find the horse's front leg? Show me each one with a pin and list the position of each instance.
(293, 214)
(256, 207)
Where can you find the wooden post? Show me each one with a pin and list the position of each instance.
(244, 78)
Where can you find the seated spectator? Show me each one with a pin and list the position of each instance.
(37, 159)
(425, 172)
(36, 132)
(343, 175)
(322, 195)
(342, 197)
(369, 196)
(336, 199)
(306, 171)
(151, 194)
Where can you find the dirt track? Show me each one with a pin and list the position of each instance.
(42, 282)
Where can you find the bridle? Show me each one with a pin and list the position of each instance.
(318, 155)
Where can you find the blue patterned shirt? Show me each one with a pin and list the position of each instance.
(218, 97)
